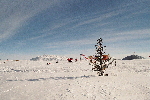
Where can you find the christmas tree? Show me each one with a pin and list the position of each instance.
(101, 60)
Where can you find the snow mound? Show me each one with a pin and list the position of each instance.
(49, 58)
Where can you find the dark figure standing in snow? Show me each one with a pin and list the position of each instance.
(69, 60)
(76, 60)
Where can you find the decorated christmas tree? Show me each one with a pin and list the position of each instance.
(101, 60)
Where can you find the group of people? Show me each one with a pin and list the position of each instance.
(70, 60)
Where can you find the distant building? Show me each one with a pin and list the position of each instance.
(133, 57)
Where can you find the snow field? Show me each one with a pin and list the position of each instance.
(30, 80)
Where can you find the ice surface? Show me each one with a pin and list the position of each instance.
(35, 80)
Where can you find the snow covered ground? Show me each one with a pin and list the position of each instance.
(35, 80)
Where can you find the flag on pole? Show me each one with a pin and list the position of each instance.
(82, 55)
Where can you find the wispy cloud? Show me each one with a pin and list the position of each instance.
(69, 43)
(129, 35)
(10, 25)
(57, 25)
(99, 18)
(109, 38)
(16, 13)
(123, 12)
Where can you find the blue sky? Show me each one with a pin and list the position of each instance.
(29, 28)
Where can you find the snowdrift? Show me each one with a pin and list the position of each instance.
(48, 58)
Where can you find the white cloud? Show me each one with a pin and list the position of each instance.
(97, 18)
(108, 39)
(129, 35)
(10, 25)
(15, 14)
(76, 43)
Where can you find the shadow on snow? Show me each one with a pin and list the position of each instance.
(55, 78)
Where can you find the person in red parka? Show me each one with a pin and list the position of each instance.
(69, 59)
